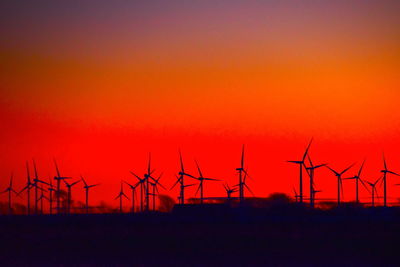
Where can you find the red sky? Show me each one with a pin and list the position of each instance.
(99, 86)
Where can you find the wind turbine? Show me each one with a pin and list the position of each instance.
(10, 190)
(154, 184)
(201, 179)
(133, 188)
(373, 190)
(87, 187)
(58, 178)
(142, 184)
(36, 180)
(51, 190)
(120, 195)
(182, 188)
(339, 180)
(311, 172)
(181, 180)
(229, 191)
(241, 183)
(385, 171)
(28, 187)
(301, 164)
(40, 199)
(358, 179)
(69, 195)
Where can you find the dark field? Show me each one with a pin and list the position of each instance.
(219, 237)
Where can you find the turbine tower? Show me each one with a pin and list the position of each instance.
(154, 185)
(181, 180)
(10, 190)
(87, 188)
(358, 179)
(69, 194)
(373, 190)
(201, 179)
(301, 165)
(229, 191)
(58, 178)
(241, 183)
(311, 173)
(120, 195)
(133, 188)
(339, 181)
(28, 187)
(385, 171)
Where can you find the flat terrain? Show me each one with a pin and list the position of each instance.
(230, 238)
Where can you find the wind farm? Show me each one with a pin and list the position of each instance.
(229, 210)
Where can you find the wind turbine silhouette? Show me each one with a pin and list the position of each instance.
(358, 179)
(51, 190)
(145, 186)
(201, 179)
(133, 188)
(40, 199)
(241, 183)
(58, 178)
(120, 195)
(339, 180)
(181, 181)
(311, 173)
(385, 171)
(36, 180)
(301, 164)
(229, 191)
(28, 187)
(154, 185)
(373, 190)
(69, 194)
(142, 184)
(10, 190)
(87, 188)
(181, 199)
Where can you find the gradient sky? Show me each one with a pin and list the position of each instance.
(99, 85)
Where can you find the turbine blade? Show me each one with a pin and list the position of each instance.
(83, 180)
(384, 161)
(348, 168)
(149, 164)
(362, 182)
(198, 168)
(140, 179)
(335, 172)
(181, 160)
(34, 168)
(393, 173)
(361, 168)
(198, 188)
(211, 179)
(306, 152)
(74, 183)
(248, 188)
(177, 181)
(57, 170)
(242, 160)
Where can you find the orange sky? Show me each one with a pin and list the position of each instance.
(100, 86)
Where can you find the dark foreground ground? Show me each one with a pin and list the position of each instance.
(201, 238)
